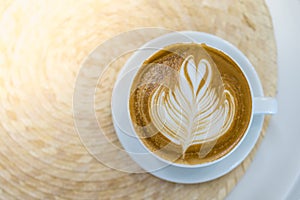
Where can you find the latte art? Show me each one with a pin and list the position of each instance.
(190, 103)
(195, 111)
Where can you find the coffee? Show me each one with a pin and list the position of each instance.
(190, 103)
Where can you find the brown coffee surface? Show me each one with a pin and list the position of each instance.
(160, 69)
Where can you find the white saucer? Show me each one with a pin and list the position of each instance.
(133, 146)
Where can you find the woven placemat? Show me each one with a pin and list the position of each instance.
(42, 47)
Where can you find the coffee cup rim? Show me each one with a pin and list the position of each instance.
(209, 41)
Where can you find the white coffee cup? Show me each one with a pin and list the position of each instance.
(260, 105)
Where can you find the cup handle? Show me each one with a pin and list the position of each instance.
(265, 105)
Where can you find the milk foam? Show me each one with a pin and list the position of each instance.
(196, 110)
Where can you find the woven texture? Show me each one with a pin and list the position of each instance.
(42, 47)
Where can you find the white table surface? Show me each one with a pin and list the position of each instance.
(275, 171)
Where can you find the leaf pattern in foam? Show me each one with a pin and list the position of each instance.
(196, 110)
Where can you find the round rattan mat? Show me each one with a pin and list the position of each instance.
(42, 47)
